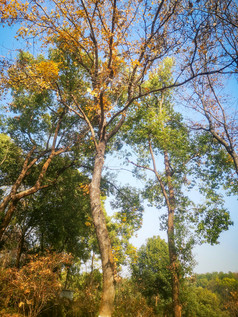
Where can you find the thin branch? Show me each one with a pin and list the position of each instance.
(5, 156)
(86, 119)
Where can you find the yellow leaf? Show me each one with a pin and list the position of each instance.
(29, 302)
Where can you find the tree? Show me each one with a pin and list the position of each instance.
(55, 219)
(151, 274)
(38, 131)
(221, 121)
(125, 221)
(158, 126)
(224, 285)
(102, 37)
(130, 301)
(202, 302)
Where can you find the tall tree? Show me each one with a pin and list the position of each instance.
(167, 138)
(117, 43)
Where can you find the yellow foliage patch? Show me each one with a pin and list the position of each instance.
(42, 75)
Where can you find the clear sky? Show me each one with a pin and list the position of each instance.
(222, 257)
(8, 43)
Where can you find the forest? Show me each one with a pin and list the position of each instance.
(146, 84)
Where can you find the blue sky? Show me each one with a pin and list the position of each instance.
(222, 257)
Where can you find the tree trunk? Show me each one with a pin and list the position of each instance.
(108, 267)
(170, 202)
(20, 247)
(177, 309)
(14, 197)
(235, 160)
(7, 218)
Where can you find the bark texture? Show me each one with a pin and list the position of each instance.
(20, 247)
(174, 266)
(7, 218)
(169, 195)
(108, 267)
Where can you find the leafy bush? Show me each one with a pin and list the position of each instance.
(28, 290)
(131, 303)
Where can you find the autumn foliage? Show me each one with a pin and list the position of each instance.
(99, 61)
(31, 287)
